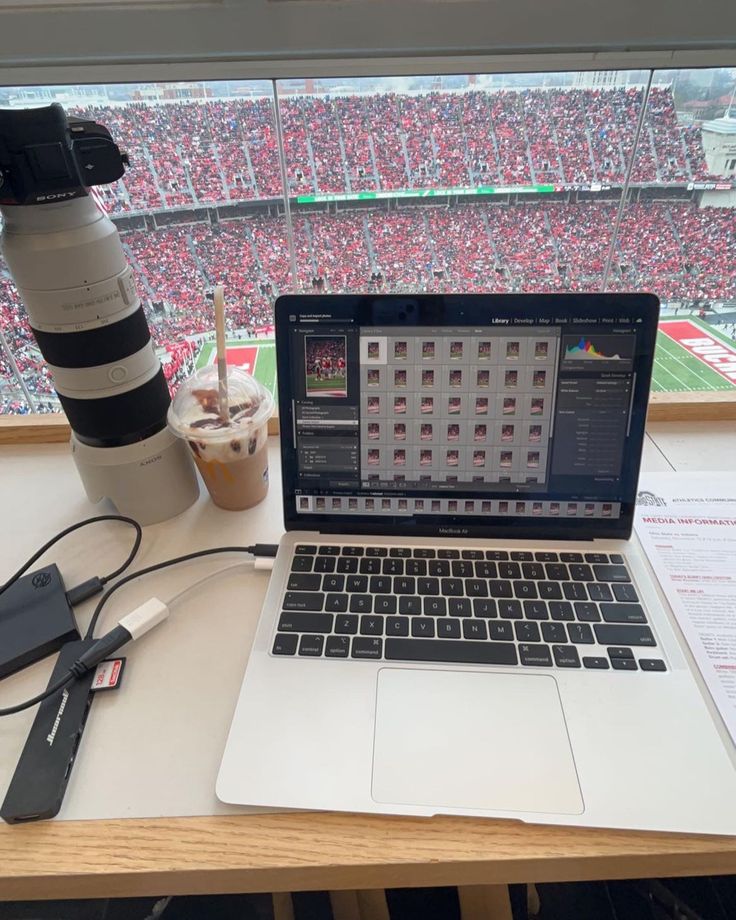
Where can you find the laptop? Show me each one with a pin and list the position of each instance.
(456, 622)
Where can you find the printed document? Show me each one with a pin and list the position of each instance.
(686, 523)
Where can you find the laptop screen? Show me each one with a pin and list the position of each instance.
(464, 415)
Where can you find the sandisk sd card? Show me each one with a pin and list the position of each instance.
(109, 674)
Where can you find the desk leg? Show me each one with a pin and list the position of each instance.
(283, 906)
(345, 905)
(485, 902)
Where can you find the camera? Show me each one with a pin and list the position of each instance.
(68, 264)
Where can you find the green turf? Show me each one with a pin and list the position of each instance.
(320, 383)
(677, 371)
(265, 369)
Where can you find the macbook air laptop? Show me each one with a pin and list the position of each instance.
(456, 621)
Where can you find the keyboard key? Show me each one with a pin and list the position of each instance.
(357, 584)
(311, 646)
(393, 566)
(525, 589)
(574, 591)
(580, 633)
(535, 656)
(532, 570)
(652, 664)
(472, 554)
(324, 564)
(581, 572)
(510, 610)
(452, 587)
(498, 588)
(380, 584)
(486, 569)
(397, 626)
(384, 603)
(596, 664)
(571, 557)
(474, 629)
(448, 628)
(416, 567)
(545, 557)
(368, 648)
(439, 568)
(371, 626)
(428, 586)
(337, 647)
(500, 632)
(587, 612)
(476, 587)
(329, 551)
(421, 552)
(300, 582)
(525, 631)
(522, 555)
(400, 552)
(305, 622)
(619, 651)
(404, 585)
(459, 607)
(303, 600)
(333, 582)
(452, 651)
(557, 571)
(497, 555)
(370, 566)
(616, 559)
(607, 634)
(285, 644)
(347, 564)
(617, 573)
(484, 608)
(410, 605)
(376, 551)
(509, 570)
(301, 564)
(561, 610)
(624, 664)
(462, 569)
(302, 550)
(336, 603)
(596, 557)
(361, 603)
(448, 553)
(623, 613)
(422, 627)
(535, 610)
(625, 592)
(549, 590)
(347, 625)
(597, 592)
(554, 632)
(566, 656)
(352, 551)
(435, 606)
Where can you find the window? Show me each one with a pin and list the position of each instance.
(623, 180)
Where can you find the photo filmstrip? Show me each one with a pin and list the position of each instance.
(456, 408)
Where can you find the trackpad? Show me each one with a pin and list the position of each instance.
(468, 739)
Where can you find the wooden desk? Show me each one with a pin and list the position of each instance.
(301, 851)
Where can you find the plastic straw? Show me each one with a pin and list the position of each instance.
(221, 351)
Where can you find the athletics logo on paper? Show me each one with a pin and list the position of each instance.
(649, 499)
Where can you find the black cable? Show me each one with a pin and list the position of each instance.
(49, 691)
(252, 550)
(59, 536)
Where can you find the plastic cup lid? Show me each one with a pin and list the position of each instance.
(194, 413)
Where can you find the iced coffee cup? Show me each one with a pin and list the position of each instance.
(230, 453)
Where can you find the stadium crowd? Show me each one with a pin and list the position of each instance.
(199, 152)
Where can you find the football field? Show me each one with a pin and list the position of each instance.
(692, 355)
(257, 356)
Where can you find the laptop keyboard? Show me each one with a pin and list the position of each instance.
(465, 606)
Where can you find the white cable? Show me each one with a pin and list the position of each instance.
(246, 564)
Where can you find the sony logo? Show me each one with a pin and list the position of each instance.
(453, 531)
(54, 196)
(150, 460)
